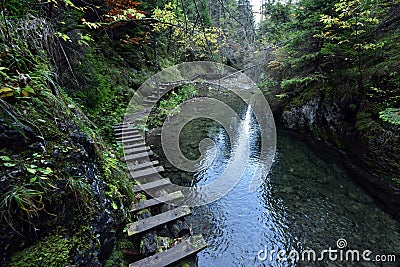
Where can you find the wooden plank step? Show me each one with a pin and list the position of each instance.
(151, 185)
(128, 136)
(136, 145)
(147, 172)
(138, 155)
(182, 250)
(124, 126)
(152, 97)
(136, 167)
(155, 201)
(132, 140)
(159, 219)
(150, 102)
(129, 133)
(119, 132)
(136, 150)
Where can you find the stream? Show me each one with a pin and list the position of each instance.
(305, 203)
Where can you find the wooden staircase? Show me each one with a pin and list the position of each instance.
(147, 171)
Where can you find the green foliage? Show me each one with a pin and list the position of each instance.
(303, 81)
(185, 92)
(21, 50)
(391, 115)
(282, 96)
(342, 47)
(346, 32)
(278, 18)
(95, 81)
(265, 85)
(118, 183)
(17, 8)
(80, 189)
(111, 111)
(117, 255)
(170, 105)
(20, 199)
(184, 37)
(7, 161)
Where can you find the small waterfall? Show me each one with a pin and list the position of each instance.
(241, 142)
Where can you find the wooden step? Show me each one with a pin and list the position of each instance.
(127, 137)
(136, 145)
(132, 140)
(152, 97)
(182, 250)
(150, 102)
(147, 178)
(127, 131)
(159, 219)
(119, 127)
(151, 185)
(145, 165)
(147, 172)
(155, 201)
(124, 126)
(136, 150)
(138, 156)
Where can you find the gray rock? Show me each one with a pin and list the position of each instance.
(331, 115)
(303, 117)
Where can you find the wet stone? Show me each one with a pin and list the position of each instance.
(38, 147)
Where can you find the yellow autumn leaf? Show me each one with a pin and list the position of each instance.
(6, 92)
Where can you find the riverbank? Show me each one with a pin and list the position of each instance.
(385, 195)
(369, 149)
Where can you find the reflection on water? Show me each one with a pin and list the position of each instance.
(305, 203)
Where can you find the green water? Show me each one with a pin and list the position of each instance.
(304, 203)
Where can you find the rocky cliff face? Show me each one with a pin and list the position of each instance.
(304, 117)
(369, 148)
(55, 198)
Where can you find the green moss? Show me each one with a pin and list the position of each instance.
(143, 211)
(53, 250)
(58, 247)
